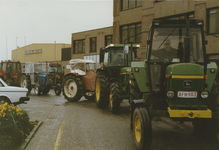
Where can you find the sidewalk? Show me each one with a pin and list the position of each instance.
(51, 114)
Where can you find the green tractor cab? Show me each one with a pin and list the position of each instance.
(177, 80)
(112, 79)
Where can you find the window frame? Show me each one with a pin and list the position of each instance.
(95, 49)
(208, 20)
(106, 39)
(136, 6)
(83, 46)
(136, 34)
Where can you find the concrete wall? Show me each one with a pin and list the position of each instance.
(49, 52)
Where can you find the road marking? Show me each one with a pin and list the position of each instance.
(59, 137)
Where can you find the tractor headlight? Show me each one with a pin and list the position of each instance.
(170, 94)
(204, 94)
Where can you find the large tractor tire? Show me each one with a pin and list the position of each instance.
(25, 82)
(9, 82)
(134, 94)
(58, 90)
(102, 90)
(72, 88)
(115, 98)
(4, 100)
(37, 89)
(142, 129)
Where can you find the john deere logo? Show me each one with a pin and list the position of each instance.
(187, 84)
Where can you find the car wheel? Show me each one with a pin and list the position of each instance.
(4, 100)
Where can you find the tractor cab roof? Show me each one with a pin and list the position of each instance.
(113, 46)
(75, 61)
(178, 23)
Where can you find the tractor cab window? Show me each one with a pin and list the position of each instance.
(118, 58)
(10, 68)
(91, 66)
(79, 66)
(4, 67)
(168, 45)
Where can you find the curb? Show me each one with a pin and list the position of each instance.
(27, 140)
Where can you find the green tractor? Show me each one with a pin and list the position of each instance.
(112, 79)
(177, 80)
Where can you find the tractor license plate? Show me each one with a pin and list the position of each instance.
(184, 94)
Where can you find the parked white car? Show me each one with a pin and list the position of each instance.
(12, 95)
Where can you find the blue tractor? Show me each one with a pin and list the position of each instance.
(43, 77)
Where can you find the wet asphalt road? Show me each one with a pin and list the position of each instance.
(88, 128)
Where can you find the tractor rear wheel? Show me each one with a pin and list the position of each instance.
(115, 98)
(102, 90)
(37, 89)
(25, 82)
(142, 129)
(72, 88)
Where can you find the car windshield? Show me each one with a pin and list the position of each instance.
(168, 45)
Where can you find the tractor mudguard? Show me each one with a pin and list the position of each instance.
(89, 80)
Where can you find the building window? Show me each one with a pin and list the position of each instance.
(128, 4)
(79, 46)
(108, 40)
(93, 44)
(131, 33)
(213, 22)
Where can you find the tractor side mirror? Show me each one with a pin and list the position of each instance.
(126, 49)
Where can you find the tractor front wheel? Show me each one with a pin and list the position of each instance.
(58, 90)
(72, 88)
(102, 90)
(142, 129)
(115, 97)
(89, 96)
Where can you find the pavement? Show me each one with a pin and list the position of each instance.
(51, 114)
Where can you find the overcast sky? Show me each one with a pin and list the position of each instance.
(47, 21)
